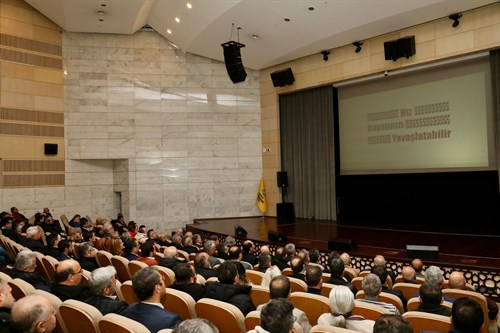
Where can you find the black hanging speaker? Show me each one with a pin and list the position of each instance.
(406, 46)
(239, 231)
(282, 178)
(232, 59)
(277, 237)
(391, 50)
(282, 77)
(342, 244)
(50, 149)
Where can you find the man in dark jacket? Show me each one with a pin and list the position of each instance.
(228, 290)
(185, 280)
(67, 282)
(102, 284)
(431, 298)
(86, 256)
(24, 269)
(33, 240)
(171, 258)
(202, 265)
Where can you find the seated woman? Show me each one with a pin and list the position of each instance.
(342, 306)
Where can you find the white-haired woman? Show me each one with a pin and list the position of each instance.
(269, 274)
(342, 306)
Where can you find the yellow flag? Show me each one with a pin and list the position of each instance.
(261, 197)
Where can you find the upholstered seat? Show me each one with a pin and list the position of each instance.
(181, 303)
(83, 316)
(313, 305)
(226, 317)
(368, 310)
(423, 321)
(115, 323)
(121, 265)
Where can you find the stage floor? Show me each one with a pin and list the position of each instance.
(457, 247)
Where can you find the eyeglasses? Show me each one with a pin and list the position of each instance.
(79, 272)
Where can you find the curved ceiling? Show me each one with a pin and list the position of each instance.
(274, 31)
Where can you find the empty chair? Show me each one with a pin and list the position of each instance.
(167, 274)
(82, 316)
(121, 265)
(364, 273)
(368, 310)
(297, 284)
(255, 276)
(313, 305)
(226, 317)
(20, 288)
(181, 303)
(115, 323)
(134, 266)
(103, 258)
(56, 302)
(260, 295)
(330, 329)
(128, 292)
(423, 321)
(49, 264)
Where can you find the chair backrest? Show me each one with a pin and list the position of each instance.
(134, 266)
(252, 319)
(128, 292)
(181, 303)
(368, 310)
(49, 264)
(330, 329)
(326, 288)
(313, 305)
(115, 323)
(183, 255)
(191, 256)
(5, 277)
(351, 272)
(121, 265)
(85, 278)
(83, 316)
(400, 279)
(40, 269)
(255, 276)
(56, 302)
(297, 284)
(364, 273)
(423, 321)
(414, 302)
(226, 317)
(260, 294)
(167, 274)
(387, 298)
(408, 289)
(103, 258)
(20, 288)
(200, 279)
(458, 293)
(357, 282)
(287, 272)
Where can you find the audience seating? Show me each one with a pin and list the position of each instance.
(255, 276)
(40, 269)
(368, 310)
(56, 303)
(252, 319)
(191, 256)
(297, 284)
(49, 264)
(467, 286)
(414, 302)
(118, 290)
(103, 258)
(287, 272)
(326, 276)
(260, 294)
(458, 293)
(115, 323)
(408, 289)
(423, 321)
(81, 315)
(20, 288)
(364, 273)
(357, 282)
(387, 298)
(315, 264)
(167, 274)
(180, 303)
(121, 265)
(85, 277)
(134, 266)
(128, 292)
(330, 329)
(200, 279)
(400, 279)
(225, 316)
(326, 288)
(4, 277)
(313, 305)
(183, 255)
(159, 256)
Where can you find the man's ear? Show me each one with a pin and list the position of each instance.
(236, 279)
(40, 327)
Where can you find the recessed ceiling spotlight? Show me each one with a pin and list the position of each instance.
(255, 37)
(169, 31)
(177, 19)
(287, 19)
(311, 8)
(101, 19)
(103, 5)
(188, 5)
(101, 12)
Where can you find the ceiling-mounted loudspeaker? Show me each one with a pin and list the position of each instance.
(402, 47)
(239, 231)
(282, 77)
(232, 59)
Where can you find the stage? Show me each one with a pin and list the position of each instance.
(478, 255)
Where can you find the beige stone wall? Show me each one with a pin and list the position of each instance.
(479, 30)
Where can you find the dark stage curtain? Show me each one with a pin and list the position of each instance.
(495, 88)
(307, 151)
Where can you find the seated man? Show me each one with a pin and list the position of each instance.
(373, 287)
(52, 244)
(280, 288)
(202, 265)
(381, 272)
(336, 273)
(457, 280)
(65, 248)
(102, 284)
(434, 275)
(210, 247)
(248, 249)
(431, 298)
(379, 260)
(6, 303)
(187, 242)
(228, 288)
(67, 282)
(196, 325)
(131, 249)
(185, 280)
(264, 262)
(24, 269)
(170, 258)
(33, 240)
(86, 256)
(276, 317)
(314, 279)
(409, 275)
(148, 253)
(33, 313)
(388, 323)
(297, 265)
(150, 290)
(418, 266)
(466, 315)
(236, 254)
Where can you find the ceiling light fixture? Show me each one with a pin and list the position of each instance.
(325, 54)
(177, 20)
(169, 31)
(188, 5)
(455, 18)
(358, 46)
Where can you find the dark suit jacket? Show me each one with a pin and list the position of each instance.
(196, 291)
(205, 272)
(35, 245)
(432, 308)
(88, 264)
(151, 316)
(106, 304)
(80, 293)
(32, 278)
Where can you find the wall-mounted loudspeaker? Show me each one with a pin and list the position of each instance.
(422, 252)
(342, 244)
(50, 149)
(282, 77)
(282, 178)
(239, 231)
(232, 59)
(277, 237)
(402, 47)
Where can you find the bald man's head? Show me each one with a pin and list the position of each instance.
(417, 265)
(33, 313)
(408, 273)
(457, 280)
(68, 272)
